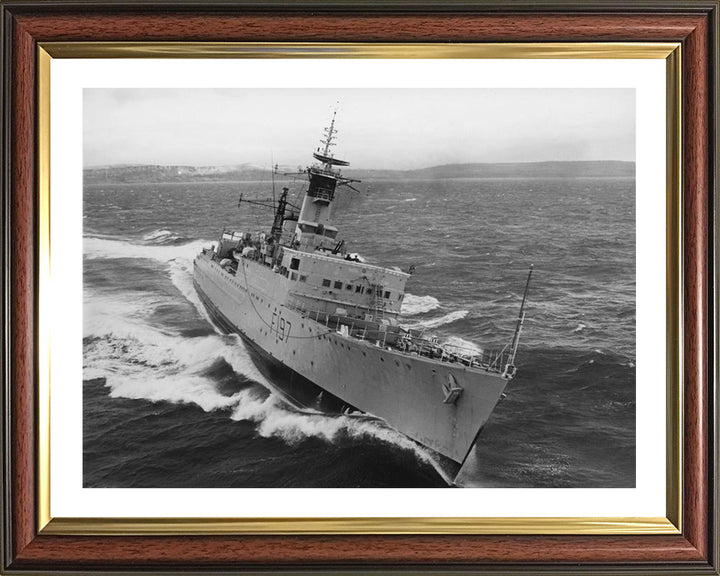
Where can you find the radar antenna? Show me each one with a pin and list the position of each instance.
(325, 155)
(329, 135)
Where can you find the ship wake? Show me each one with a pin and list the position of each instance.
(274, 418)
(140, 358)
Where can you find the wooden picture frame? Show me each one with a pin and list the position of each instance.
(31, 544)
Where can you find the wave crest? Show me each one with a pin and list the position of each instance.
(442, 320)
(99, 247)
(413, 305)
(140, 361)
(274, 418)
(462, 346)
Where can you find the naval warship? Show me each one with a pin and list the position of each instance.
(328, 324)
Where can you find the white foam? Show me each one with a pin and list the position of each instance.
(96, 247)
(275, 419)
(418, 304)
(168, 369)
(124, 315)
(185, 389)
(142, 361)
(159, 234)
(446, 319)
(462, 346)
(139, 361)
(179, 260)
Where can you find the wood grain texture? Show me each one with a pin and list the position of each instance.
(689, 551)
(697, 195)
(22, 281)
(361, 28)
(355, 550)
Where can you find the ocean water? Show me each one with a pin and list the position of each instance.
(170, 401)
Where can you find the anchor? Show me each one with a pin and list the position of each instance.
(452, 390)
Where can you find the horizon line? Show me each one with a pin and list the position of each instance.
(269, 168)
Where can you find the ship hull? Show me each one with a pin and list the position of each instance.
(294, 388)
(407, 391)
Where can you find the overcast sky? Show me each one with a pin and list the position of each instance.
(377, 128)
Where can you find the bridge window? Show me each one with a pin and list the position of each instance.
(338, 285)
(359, 289)
(294, 263)
(326, 283)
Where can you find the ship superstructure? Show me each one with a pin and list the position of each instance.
(330, 321)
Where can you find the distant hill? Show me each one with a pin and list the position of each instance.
(137, 174)
(599, 168)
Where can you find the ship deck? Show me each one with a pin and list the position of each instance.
(396, 337)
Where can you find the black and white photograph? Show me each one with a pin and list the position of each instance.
(359, 287)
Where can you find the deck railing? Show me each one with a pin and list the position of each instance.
(400, 340)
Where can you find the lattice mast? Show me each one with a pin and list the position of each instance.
(314, 224)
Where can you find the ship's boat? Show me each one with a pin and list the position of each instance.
(327, 324)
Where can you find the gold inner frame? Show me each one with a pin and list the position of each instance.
(670, 524)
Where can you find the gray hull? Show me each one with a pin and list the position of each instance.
(406, 390)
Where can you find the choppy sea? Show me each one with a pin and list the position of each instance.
(170, 401)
